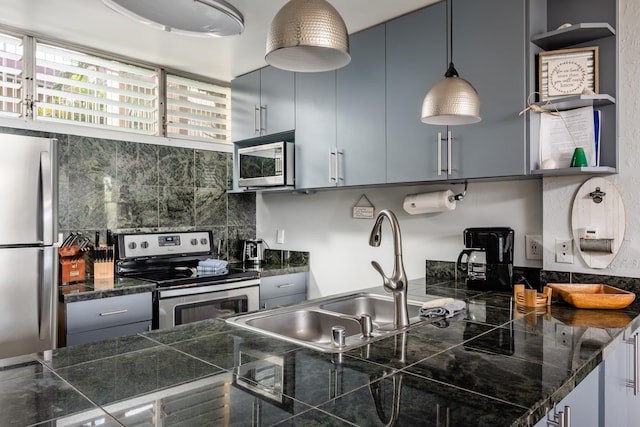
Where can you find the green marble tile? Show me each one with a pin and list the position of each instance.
(176, 166)
(137, 206)
(211, 169)
(137, 164)
(210, 207)
(176, 206)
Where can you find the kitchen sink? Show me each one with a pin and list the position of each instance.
(380, 309)
(309, 324)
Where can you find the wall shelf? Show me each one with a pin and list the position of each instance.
(575, 34)
(577, 101)
(600, 170)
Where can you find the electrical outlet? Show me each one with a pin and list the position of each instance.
(564, 251)
(533, 246)
(280, 237)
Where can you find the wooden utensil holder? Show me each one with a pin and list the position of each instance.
(72, 264)
(102, 266)
(531, 297)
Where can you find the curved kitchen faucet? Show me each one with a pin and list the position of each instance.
(397, 283)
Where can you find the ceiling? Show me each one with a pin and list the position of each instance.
(91, 23)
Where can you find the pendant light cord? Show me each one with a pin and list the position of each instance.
(451, 71)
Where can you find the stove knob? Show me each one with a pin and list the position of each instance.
(132, 245)
(144, 245)
(194, 242)
(203, 241)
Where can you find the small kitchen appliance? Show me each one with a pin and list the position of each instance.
(184, 295)
(253, 251)
(266, 165)
(489, 262)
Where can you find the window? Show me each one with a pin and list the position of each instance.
(197, 110)
(11, 72)
(73, 87)
(41, 80)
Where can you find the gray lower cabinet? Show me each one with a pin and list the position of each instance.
(621, 389)
(98, 319)
(276, 291)
(416, 47)
(361, 129)
(584, 404)
(263, 103)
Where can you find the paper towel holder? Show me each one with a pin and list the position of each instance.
(459, 196)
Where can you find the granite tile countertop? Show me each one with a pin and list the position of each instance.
(491, 365)
(103, 288)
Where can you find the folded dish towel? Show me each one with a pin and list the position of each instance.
(213, 263)
(212, 267)
(443, 307)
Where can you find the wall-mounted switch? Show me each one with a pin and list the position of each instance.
(280, 236)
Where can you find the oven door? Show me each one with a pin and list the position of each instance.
(178, 306)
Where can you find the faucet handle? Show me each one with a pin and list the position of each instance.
(385, 280)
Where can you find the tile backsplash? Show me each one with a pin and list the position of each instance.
(135, 187)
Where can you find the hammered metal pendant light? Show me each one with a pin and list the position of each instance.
(453, 100)
(308, 36)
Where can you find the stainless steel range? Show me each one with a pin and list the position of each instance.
(185, 294)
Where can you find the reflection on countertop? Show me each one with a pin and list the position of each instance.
(102, 288)
(491, 365)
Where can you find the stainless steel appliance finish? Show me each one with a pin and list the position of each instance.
(266, 165)
(253, 251)
(178, 306)
(28, 257)
(184, 294)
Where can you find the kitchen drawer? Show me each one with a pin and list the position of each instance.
(107, 333)
(102, 313)
(282, 301)
(286, 284)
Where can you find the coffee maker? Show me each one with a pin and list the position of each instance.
(489, 258)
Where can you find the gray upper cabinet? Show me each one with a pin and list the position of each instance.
(263, 103)
(361, 133)
(416, 59)
(493, 58)
(315, 129)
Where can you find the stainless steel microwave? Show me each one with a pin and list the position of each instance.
(266, 165)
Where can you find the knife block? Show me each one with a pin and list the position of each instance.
(72, 264)
(102, 262)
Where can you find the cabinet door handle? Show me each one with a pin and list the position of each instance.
(338, 174)
(263, 123)
(636, 363)
(111, 313)
(439, 153)
(286, 285)
(332, 162)
(449, 152)
(256, 113)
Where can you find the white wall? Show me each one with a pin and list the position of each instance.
(322, 224)
(559, 192)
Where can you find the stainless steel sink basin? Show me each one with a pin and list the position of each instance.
(380, 309)
(305, 325)
(309, 324)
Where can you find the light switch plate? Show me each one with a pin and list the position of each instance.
(564, 251)
(280, 237)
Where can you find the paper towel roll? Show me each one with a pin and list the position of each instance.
(439, 201)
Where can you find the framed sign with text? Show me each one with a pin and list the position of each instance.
(567, 72)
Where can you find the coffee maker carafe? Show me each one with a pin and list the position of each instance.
(489, 258)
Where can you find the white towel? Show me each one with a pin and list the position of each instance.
(213, 263)
(443, 307)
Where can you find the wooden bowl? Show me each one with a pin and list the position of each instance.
(584, 295)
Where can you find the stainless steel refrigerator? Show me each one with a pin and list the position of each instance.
(28, 257)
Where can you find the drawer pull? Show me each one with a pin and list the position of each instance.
(111, 313)
(288, 285)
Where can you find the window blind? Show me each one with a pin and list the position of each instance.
(198, 110)
(79, 88)
(11, 76)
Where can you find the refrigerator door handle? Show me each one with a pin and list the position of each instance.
(47, 315)
(46, 194)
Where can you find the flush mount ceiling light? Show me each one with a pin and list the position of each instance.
(453, 100)
(191, 17)
(308, 36)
